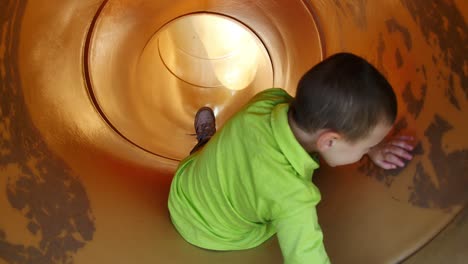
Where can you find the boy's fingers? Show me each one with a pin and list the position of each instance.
(391, 158)
(398, 151)
(402, 144)
(386, 165)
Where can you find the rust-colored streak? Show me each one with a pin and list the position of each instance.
(452, 184)
(39, 186)
(444, 26)
(414, 104)
(394, 26)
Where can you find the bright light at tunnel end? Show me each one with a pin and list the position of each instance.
(210, 51)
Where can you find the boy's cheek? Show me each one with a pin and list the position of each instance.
(337, 159)
(327, 159)
(350, 157)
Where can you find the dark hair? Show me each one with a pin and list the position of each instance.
(344, 93)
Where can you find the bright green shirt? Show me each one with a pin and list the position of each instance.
(251, 180)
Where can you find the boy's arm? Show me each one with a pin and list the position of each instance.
(301, 239)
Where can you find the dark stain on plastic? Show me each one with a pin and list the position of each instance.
(380, 51)
(443, 25)
(38, 185)
(414, 104)
(394, 26)
(450, 93)
(423, 70)
(398, 58)
(450, 171)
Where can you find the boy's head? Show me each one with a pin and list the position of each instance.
(346, 105)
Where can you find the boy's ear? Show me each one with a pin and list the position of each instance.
(327, 140)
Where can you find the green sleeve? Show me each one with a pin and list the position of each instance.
(301, 239)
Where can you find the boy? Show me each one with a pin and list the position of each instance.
(252, 179)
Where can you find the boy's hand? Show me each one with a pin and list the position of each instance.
(391, 154)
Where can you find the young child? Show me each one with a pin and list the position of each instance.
(253, 178)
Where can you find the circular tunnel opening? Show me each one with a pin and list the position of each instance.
(212, 51)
